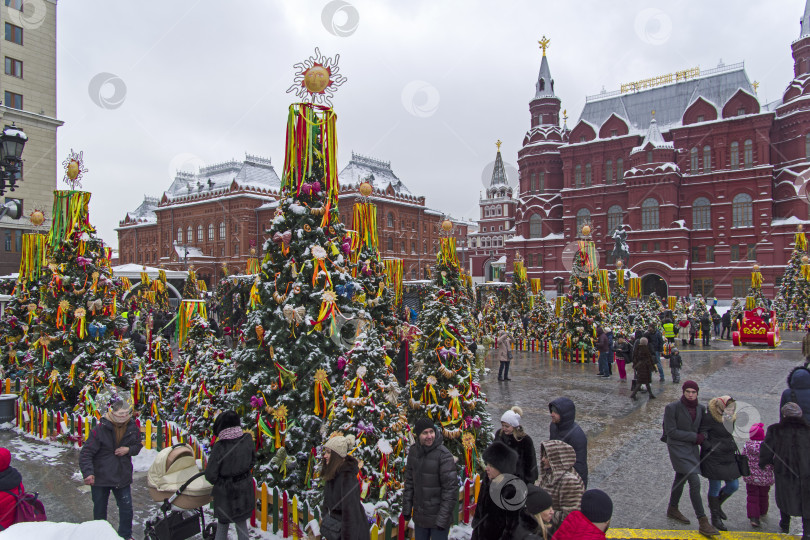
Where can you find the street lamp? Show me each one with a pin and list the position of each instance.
(185, 253)
(12, 143)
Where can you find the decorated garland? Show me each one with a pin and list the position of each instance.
(447, 252)
(393, 268)
(71, 216)
(364, 221)
(188, 308)
(34, 249)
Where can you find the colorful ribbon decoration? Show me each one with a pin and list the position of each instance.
(620, 277)
(587, 251)
(634, 289)
(603, 279)
(447, 252)
(188, 309)
(80, 323)
(801, 241)
(255, 299)
(71, 216)
(470, 453)
(756, 280)
(806, 272)
(537, 285)
(364, 221)
(520, 271)
(32, 260)
(308, 124)
(321, 387)
(672, 301)
(394, 272)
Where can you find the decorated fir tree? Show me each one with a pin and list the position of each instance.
(369, 405)
(74, 349)
(581, 310)
(792, 302)
(191, 287)
(618, 311)
(542, 320)
(288, 368)
(444, 384)
(519, 291)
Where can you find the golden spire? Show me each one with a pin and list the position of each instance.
(544, 44)
(653, 113)
(565, 115)
(755, 84)
(498, 144)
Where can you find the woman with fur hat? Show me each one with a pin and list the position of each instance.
(492, 521)
(343, 516)
(559, 477)
(229, 470)
(535, 519)
(513, 436)
(717, 461)
(11, 484)
(106, 461)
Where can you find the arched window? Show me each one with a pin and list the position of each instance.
(735, 155)
(210, 231)
(389, 242)
(578, 176)
(609, 172)
(749, 153)
(707, 159)
(486, 211)
(807, 145)
(391, 222)
(614, 218)
(583, 218)
(701, 214)
(236, 249)
(535, 226)
(199, 233)
(588, 178)
(222, 230)
(742, 211)
(649, 214)
(620, 171)
(179, 235)
(693, 165)
(188, 234)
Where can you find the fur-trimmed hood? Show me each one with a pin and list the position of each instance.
(718, 406)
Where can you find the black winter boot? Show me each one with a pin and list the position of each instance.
(714, 509)
(720, 500)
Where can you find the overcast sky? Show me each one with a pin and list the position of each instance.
(431, 84)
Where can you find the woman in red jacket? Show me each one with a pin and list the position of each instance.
(10, 482)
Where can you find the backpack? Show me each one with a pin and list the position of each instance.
(28, 507)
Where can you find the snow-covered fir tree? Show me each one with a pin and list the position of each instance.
(581, 311)
(792, 302)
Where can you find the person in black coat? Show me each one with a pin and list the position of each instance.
(564, 428)
(786, 447)
(229, 470)
(706, 329)
(798, 390)
(342, 507)
(431, 483)
(717, 456)
(535, 519)
(726, 321)
(106, 462)
(493, 520)
(643, 366)
(513, 436)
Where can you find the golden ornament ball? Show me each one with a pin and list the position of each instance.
(316, 79)
(801, 227)
(447, 225)
(805, 259)
(366, 189)
(586, 230)
(37, 217)
(73, 169)
(619, 263)
(756, 268)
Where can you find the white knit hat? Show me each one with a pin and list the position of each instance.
(511, 417)
(340, 445)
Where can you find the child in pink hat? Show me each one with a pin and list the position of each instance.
(758, 485)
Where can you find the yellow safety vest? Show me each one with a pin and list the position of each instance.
(669, 330)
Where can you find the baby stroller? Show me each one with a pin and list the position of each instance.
(174, 480)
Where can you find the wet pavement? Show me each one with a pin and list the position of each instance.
(625, 456)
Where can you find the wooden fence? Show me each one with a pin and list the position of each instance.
(276, 510)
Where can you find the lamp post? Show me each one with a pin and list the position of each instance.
(12, 143)
(185, 253)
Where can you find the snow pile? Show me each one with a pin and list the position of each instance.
(47, 530)
(37, 451)
(143, 460)
(460, 532)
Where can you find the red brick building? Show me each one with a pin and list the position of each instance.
(704, 178)
(215, 216)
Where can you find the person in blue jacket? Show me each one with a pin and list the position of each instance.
(564, 428)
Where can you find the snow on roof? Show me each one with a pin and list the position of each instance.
(502, 260)
(254, 171)
(792, 220)
(669, 101)
(377, 172)
(190, 251)
(146, 211)
(131, 270)
(654, 138)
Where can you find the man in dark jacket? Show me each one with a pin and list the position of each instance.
(706, 328)
(786, 447)
(655, 341)
(564, 428)
(493, 520)
(726, 320)
(431, 483)
(798, 390)
(681, 425)
(106, 462)
(602, 345)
